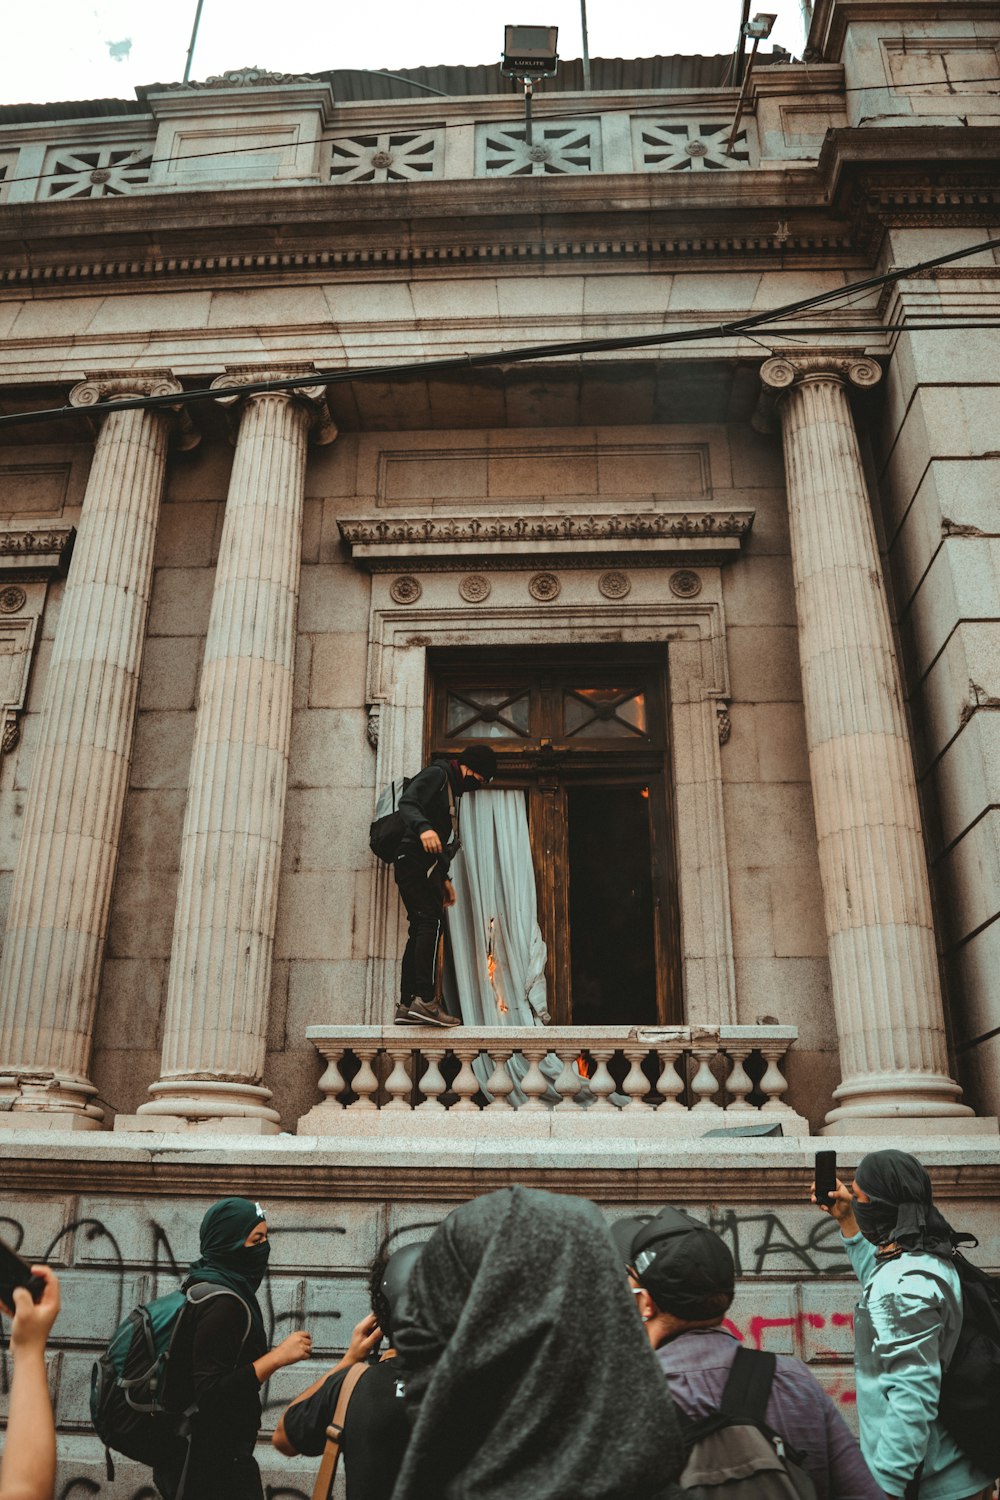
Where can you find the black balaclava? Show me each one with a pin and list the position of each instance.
(901, 1211)
(226, 1260)
(527, 1372)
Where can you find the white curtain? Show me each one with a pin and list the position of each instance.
(496, 944)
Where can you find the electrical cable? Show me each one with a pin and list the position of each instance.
(546, 115)
(698, 334)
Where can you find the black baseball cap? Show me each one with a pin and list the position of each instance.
(682, 1264)
(481, 759)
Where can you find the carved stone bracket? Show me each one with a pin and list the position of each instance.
(99, 391)
(435, 541)
(723, 722)
(323, 429)
(33, 553)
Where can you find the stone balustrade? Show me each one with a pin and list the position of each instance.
(680, 1080)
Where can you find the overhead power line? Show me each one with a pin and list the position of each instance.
(499, 357)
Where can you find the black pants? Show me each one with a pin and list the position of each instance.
(423, 898)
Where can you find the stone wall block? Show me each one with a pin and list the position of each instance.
(73, 813)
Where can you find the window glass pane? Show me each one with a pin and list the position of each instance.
(487, 713)
(604, 712)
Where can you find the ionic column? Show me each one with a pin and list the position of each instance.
(61, 896)
(220, 964)
(876, 893)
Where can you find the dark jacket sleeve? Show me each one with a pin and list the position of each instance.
(416, 805)
(225, 1382)
(306, 1421)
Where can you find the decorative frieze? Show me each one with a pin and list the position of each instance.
(430, 540)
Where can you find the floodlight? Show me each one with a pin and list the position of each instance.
(761, 26)
(530, 51)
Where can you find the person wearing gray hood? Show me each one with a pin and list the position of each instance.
(527, 1373)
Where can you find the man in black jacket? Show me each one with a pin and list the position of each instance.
(429, 810)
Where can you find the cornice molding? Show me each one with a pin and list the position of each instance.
(511, 540)
(831, 19)
(35, 552)
(836, 212)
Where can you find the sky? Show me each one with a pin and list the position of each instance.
(94, 49)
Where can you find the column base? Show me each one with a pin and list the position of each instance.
(172, 1125)
(48, 1101)
(206, 1104)
(923, 1126)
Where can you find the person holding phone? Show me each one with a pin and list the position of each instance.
(28, 1465)
(906, 1326)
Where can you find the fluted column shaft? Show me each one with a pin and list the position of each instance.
(220, 966)
(876, 893)
(60, 901)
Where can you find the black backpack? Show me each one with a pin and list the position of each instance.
(129, 1396)
(732, 1452)
(970, 1387)
(387, 828)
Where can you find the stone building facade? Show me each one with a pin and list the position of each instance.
(765, 556)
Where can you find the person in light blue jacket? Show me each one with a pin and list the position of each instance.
(906, 1328)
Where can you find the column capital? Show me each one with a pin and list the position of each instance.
(783, 372)
(323, 429)
(102, 388)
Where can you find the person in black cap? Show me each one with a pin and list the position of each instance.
(683, 1278)
(428, 808)
(375, 1426)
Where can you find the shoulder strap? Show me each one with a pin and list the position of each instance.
(204, 1291)
(748, 1388)
(323, 1488)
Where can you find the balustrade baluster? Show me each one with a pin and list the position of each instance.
(601, 1084)
(399, 1084)
(739, 1083)
(432, 1085)
(365, 1082)
(569, 1082)
(773, 1083)
(636, 1084)
(670, 1083)
(466, 1084)
(534, 1084)
(704, 1083)
(500, 1084)
(332, 1082)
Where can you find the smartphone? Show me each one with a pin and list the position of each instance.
(826, 1176)
(16, 1272)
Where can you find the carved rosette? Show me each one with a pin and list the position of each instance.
(323, 429)
(544, 587)
(99, 392)
(474, 588)
(614, 585)
(405, 590)
(12, 599)
(685, 583)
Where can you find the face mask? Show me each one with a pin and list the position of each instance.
(876, 1221)
(249, 1261)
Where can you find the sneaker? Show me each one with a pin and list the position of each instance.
(429, 1013)
(402, 1016)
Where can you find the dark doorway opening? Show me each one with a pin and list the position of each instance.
(612, 936)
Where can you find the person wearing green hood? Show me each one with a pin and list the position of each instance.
(220, 1358)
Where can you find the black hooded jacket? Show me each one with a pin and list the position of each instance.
(425, 804)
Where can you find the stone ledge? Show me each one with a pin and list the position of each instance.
(438, 1168)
